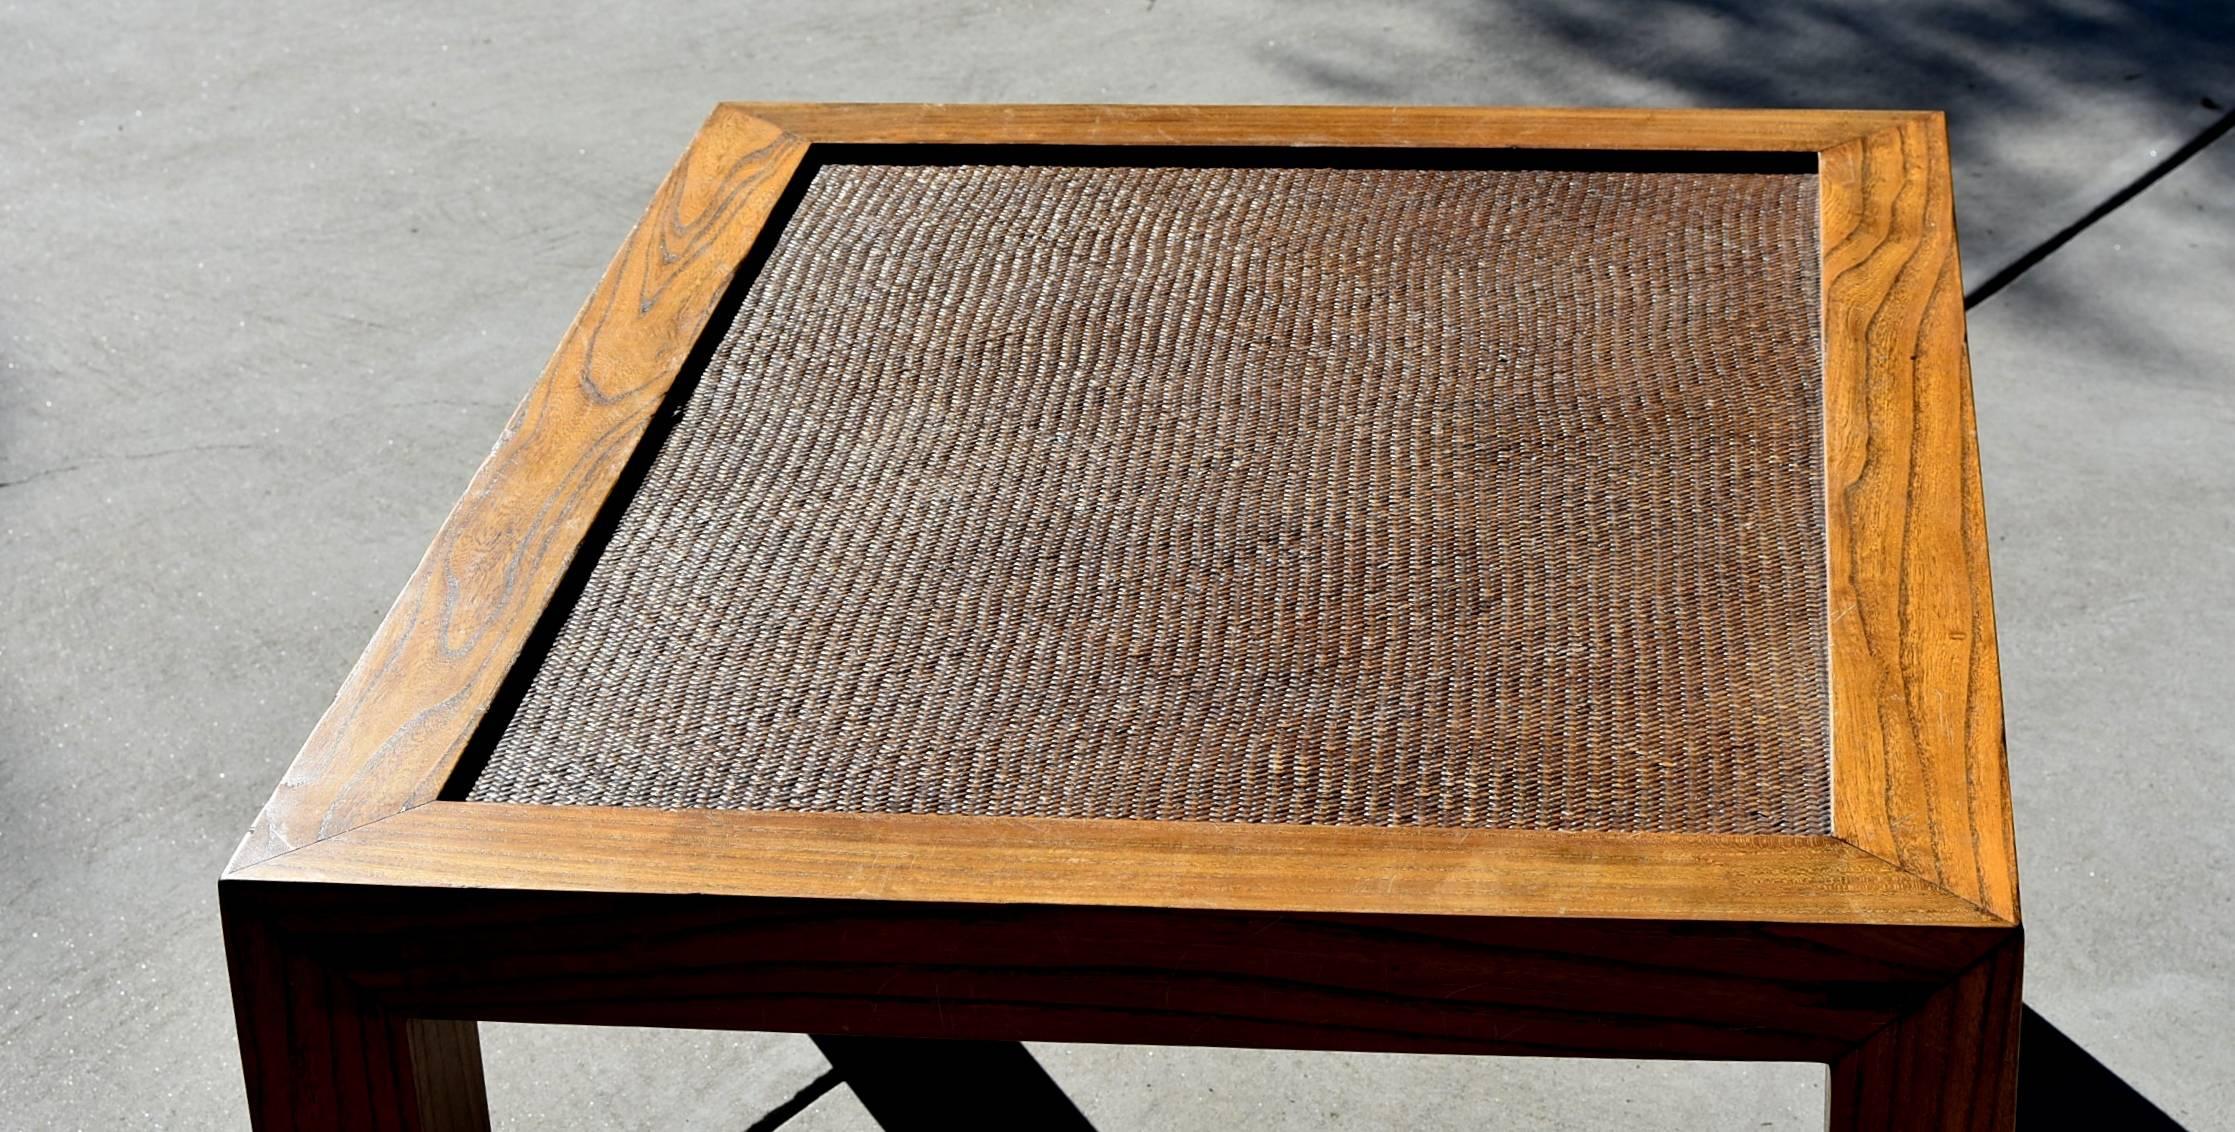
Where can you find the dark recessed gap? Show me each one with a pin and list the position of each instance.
(1318, 157)
(521, 675)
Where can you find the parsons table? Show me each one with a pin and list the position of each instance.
(1494, 581)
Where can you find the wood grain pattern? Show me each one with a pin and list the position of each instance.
(1951, 1065)
(407, 708)
(1042, 972)
(1479, 127)
(1126, 863)
(1917, 762)
(320, 1052)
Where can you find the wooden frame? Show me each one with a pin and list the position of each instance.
(368, 920)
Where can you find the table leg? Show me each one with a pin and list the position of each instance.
(319, 1052)
(1950, 1065)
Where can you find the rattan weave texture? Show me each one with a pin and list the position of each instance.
(1317, 495)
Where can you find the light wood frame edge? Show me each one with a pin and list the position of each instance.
(1078, 861)
(1922, 791)
(1918, 762)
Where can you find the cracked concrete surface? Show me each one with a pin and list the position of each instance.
(275, 275)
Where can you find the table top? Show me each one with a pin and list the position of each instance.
(1452, 511)
(1350, 496)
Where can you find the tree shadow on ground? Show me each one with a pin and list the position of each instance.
(2050, 104)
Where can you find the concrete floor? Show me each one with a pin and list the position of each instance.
(274, 275)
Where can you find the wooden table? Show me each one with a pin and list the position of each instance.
(1491, 581)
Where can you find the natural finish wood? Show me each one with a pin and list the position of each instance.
(319, 1051)
(405, 712)
(1427, 126)
(1088, 973)
(1455, 872)
(1952, 1063)
(403, 718)
(1917, 761)
(362, 915)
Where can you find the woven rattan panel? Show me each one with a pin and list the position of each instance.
(1335, 495)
